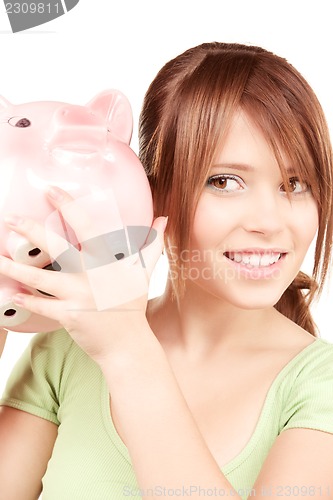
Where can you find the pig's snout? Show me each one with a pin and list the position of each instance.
(22, 250)
(11, 315)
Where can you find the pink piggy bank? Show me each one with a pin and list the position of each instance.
(85, 151)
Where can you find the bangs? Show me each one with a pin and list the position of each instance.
(289, 123)
(289, 145)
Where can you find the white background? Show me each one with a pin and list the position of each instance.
(123, 43)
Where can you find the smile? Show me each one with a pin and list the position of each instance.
(255, 259)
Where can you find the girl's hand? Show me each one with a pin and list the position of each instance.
(98, 303)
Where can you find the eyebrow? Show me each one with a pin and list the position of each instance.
(244, 167)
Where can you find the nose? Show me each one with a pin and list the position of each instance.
(265, 213)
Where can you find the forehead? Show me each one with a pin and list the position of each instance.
(246, 146)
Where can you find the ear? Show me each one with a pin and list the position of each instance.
(4, 103)
(116, 110)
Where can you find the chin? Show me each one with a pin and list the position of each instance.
(251, 299)
(258, 304)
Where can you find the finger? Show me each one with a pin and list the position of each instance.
(90, 215)
(47, 307)
(51, 282)
(41, 236)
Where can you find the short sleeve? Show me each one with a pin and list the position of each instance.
(310, 401)
(35, 382)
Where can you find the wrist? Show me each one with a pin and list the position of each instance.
(133, 362)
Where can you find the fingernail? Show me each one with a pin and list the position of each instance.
(13, 220)
(166, 221)
(55, 193)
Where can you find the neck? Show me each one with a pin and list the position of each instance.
(200, 322)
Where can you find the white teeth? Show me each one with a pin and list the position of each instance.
(238, 257)
(274, 258)
(246, 258)
(266, 259)
(255, 259)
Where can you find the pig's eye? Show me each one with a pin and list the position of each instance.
(16, 121)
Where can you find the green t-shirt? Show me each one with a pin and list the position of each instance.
(56, 380)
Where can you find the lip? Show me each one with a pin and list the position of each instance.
(258, 273)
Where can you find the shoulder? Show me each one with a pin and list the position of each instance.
(56, 354)
(58, 338)
(311, 365)
(317, 359)
(47, 348)
(289, 340)
(51, 367)
(310, 401)
(46, 355)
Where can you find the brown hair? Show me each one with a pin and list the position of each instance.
(185, 115)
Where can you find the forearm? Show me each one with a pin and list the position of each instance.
(166, 447)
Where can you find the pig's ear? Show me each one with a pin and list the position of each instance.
(115, 109)
(4, 103)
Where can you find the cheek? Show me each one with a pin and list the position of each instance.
(307, 225)
(202, 232)
(312, 222)
(212, 223)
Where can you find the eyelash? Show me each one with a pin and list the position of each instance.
(225, 177)
(222, 178)
(305, 187)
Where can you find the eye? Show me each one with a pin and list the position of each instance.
(226, 183)
(295, 186)
(16, 121)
